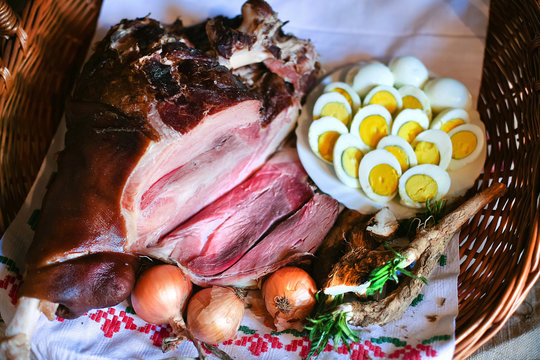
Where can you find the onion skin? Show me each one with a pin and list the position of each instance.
(214, 314)
(289, 296)
(160, 294)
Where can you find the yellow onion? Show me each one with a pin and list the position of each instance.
(214, 314)
(160, 295)
(289, 296)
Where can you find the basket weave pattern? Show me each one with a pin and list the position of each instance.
(38, 78)
(499, 248)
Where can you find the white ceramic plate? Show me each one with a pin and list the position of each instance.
(325, 178)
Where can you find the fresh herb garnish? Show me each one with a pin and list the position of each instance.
(434, 212)
(389, 271)
(329, 323)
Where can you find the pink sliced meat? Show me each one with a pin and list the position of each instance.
(220, 234)
(294, 238)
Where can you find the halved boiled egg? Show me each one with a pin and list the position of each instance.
(467, 143)
(408, 70)
(323, 135)
(335, 105)
(423, 182)
(371, 75)
(371, 124)
(433, 147)
(409, 123)
(449, 119)
(348, 153)
(345, 90)
(414, 98)
(401, 149)
(447, 93)
(379, 174)
(386, 96)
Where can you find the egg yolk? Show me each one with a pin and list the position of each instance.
(421, 187)
(400, 154)
(372, 129)
(350, 160)
(337, 110)
(345, 95)
(383, 179)
(427, 153)
(385, 99)
(450, 124)
(463, 144)
(410, 102)
(410, 130)
(327, 141)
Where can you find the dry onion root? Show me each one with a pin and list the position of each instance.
(214, 314)
(289, 296)
(159, 297)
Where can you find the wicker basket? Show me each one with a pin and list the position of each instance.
(499, 248)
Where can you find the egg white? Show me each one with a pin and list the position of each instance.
(369, 161)
(447, 93)
(406, 115)
(344, 142)
(439, 175)
(390, 89)
(408, 70)
(448, 115)
(348, 89)
(394, 140)
(363, 113)
(319, 127)
(480, 138)
(330, 98)
(441, 141)
(371, 75)
(408, 90)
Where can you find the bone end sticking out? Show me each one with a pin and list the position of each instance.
(16, 343)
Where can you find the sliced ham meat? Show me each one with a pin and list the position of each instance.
(293, 239)
(163, 129)
(215, 238)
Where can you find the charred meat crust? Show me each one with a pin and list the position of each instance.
(81, 210)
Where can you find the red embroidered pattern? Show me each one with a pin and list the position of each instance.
(13, 282)
(255, 343)
(258, 344)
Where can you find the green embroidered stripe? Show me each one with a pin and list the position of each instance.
(384, 339)
(246, 330)
(417, 300)
(130, 310)
(11, 266)
(32, 221)
(437, 338)
(442, 260)
(292, 332)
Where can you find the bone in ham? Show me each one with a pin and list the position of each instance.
(157, 129)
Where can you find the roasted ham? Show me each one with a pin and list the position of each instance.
(165, 125)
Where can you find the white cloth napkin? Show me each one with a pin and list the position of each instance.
(447, 35)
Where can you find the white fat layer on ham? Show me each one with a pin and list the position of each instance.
(185, 182)
(177, 176)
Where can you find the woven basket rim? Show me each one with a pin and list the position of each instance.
(478, 328)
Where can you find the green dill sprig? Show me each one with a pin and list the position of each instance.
(329, 323)
(389, 271)
(433, 213)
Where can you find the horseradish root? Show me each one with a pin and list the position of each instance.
(425, 249)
